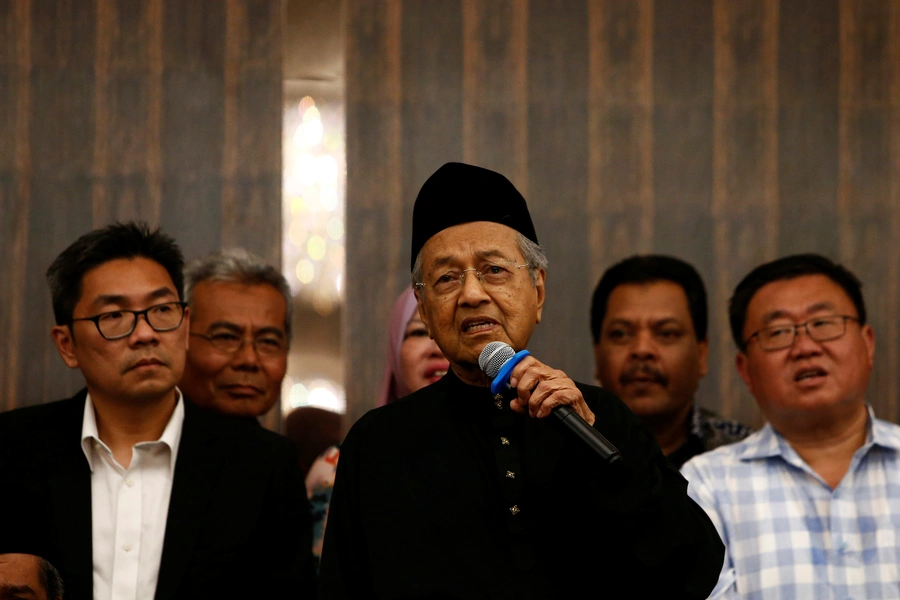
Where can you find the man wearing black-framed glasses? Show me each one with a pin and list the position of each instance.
(145, 495)
(803, 504)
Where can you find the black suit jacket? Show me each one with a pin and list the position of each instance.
(238, 521)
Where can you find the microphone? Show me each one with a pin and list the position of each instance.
(498, 359)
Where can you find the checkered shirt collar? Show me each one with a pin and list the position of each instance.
(767, 443)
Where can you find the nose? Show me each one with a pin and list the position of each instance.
(246, 357)
(804, 345)
(472, 292)
(142, 332)
(643, 346)
(433, 350)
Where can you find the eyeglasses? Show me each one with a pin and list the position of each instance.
(117, 324)
(820, 329)
(229, 343)
(492, 275)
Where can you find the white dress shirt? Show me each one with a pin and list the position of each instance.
(129, 508)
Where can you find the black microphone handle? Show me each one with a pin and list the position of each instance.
(590, 436)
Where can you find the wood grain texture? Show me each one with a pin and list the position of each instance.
(378, 263)
(745, 175)
(867, 168)
(725, 132)
(114, 110)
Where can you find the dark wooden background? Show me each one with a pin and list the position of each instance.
(725, 132)
(164, 110)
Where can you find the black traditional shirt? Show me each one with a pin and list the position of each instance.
(448, 493)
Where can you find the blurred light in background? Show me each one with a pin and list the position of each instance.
(314, 184)
(319, 392)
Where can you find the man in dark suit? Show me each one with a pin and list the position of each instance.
(137, 492)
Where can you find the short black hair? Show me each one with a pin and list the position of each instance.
(119, 240)
(50, 579)
(789, 267)
(650, 268)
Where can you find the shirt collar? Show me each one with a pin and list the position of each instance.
(171, 435)
(767, 442)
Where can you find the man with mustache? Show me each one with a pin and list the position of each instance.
(809, 506)
(240, 333)
(648, 322)
(458, 492)
(143, 494)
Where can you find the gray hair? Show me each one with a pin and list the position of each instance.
(534, 255)
(236, 265)
(50, 579)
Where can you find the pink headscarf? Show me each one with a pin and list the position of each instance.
(393, 386)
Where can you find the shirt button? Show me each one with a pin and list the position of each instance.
(514, 509)
(504, 441)
(127, 547)
(510, 475)
(129, 482)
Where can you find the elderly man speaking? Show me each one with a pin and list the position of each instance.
(453, 492)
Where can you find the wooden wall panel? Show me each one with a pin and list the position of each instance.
(557, 170)
(867, 166)
(15, 188)
(745, 175)
(495, 76)
(378, 258)
(808, 126)
(725, 132)
(620, 172)
(113, 110)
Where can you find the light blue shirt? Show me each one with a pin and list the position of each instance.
(787, 534)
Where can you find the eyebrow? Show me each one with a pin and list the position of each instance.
(238, 329)
(105, 299)
(16, 589)
(481, 255)
(783, 314)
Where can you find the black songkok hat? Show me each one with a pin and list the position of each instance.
(458, 193)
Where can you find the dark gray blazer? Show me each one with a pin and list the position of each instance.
(238, 521)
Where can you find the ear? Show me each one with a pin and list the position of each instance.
(539, 277)
(703, 358)
(65, 344)
(743, 369)
(869, 339)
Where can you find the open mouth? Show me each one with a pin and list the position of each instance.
(809, 374)
(476, 325)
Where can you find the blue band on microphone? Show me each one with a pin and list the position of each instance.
(502, 377)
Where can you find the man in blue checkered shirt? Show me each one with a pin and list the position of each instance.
(809, 506)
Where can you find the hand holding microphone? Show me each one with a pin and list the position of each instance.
(498, 360)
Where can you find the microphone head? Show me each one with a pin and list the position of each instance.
(493, 356)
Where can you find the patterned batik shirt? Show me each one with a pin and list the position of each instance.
(707, 431)
(787, 534)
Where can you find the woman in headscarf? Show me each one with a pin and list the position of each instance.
(413, 361)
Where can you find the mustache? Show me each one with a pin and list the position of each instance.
(644, 371)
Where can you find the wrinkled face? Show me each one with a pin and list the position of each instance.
(648, 354)
(463, 322)
(245, 382)
(421, 361)
(144, 366)
(20, 578)
(808, 378)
